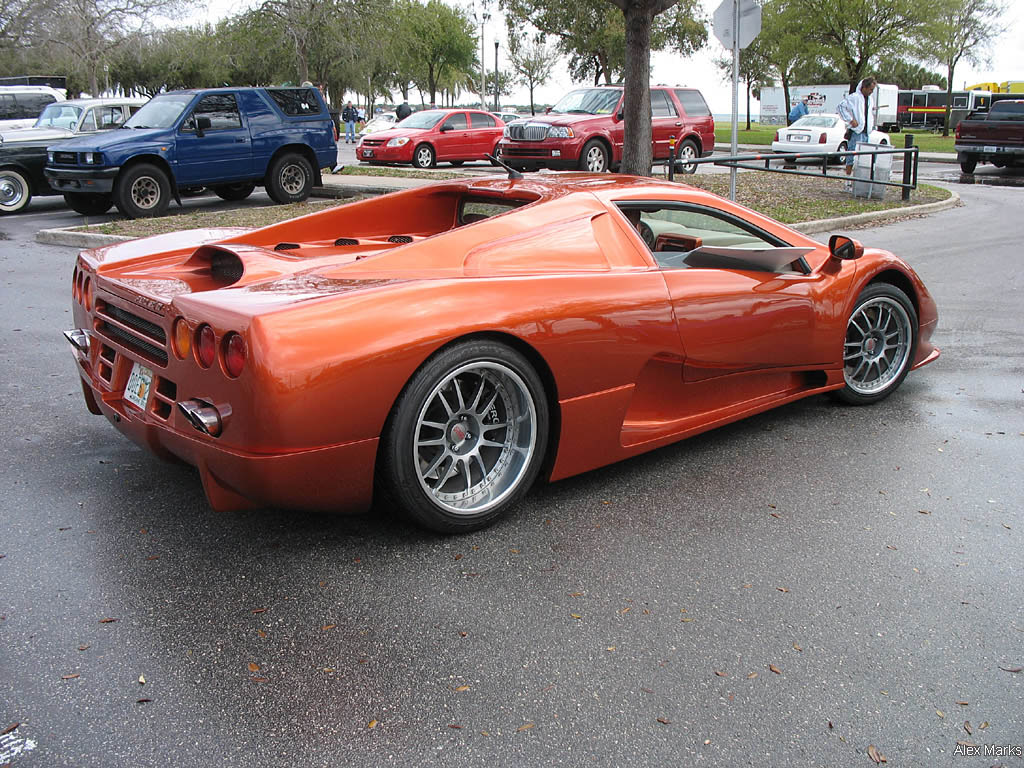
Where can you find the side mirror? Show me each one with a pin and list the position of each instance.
(547, 110)
(620, 114)
(844, 248)
(446, 127)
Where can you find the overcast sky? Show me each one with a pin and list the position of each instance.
(1007, 59)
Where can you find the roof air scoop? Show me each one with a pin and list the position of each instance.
(226, 267)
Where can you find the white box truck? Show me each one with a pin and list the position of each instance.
(826, 98)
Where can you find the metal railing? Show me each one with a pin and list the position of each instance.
(752, 162)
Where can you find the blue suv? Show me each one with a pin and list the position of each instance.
(228, 139)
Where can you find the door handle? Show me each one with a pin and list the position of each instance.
(678, 123)
(240, 140)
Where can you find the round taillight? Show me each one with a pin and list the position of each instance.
(87, 293)
(823, 138)
(234, 355)
(182, 339)
(206, 346)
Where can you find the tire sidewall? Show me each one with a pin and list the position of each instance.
(684, 167)
(276, 181)
(124, 198)
(418, 161)
(874, 291)
(21, 180)
(585, 155)
(398, 477)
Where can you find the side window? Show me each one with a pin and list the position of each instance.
(482, 121)
(693, 103)
(295, 101)
(133, 108)
(31, 104)
(7, 106)
(89, 121)
(109, 117)
(690, 236)
(221, 109)
(661, 105)
(456, 122)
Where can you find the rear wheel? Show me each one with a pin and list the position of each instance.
(594, 157)
(466, 437)
(881, 340)
(289, 179)
(15, 192)
(142, 191)
(496, 154)
(238, 191)
(839, 158)
(968, 164)
(687, 154)
(424, 157)
(88, 205)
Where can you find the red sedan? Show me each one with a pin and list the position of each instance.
(435, 135)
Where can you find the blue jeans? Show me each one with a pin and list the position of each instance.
(350, 130)
(855, 139)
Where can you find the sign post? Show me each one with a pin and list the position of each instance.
(736, 23)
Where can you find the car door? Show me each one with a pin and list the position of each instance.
(213, 142)
(735, 312)
(665, 122)
(452, 141)
(484, 134)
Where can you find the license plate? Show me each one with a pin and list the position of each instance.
(991, 149)
(139, 382)
(367, 153)
(798, 137)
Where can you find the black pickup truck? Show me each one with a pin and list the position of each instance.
(995, 137)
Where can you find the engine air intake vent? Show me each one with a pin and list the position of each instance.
(286, 246)
(346, 241)
(226, 267)
(400, 239)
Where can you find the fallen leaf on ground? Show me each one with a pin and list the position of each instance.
(775, 669)
(664, 721)
(9, 728)
(142, 679)
(1012, 669)
(752, 675)
(254, 667)
(875, 755)
(983, 726)
(940, 713)
(84, 647)
(782, 589)
(776, 515)
(69, 677)
(575, 615)
(107, 621)
(260, 679)
(326, 627)
(525, 727)
(967, 727)
(797, 647)
(462, 688)
(259, 610)
(962, 703)
(261, 633)
(453, 725)
(721, 674)
(143, 701)
(372, 724)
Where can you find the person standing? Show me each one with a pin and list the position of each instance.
(403, 111)
(348, 116)
(798, 111)
(858, 112)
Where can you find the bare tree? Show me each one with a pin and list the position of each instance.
(533, 64)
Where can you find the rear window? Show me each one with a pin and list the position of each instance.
(1007, 110)
(295, 101)
(693, 103)
(482, 121)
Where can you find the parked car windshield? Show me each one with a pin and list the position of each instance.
(814, 121)
(589, 101)
(427, 119)
(162, 111)
(59, 115)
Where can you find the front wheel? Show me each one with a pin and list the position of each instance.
(289, 179)
(466, 438)
(687, 154)
(15, 192)
(142, 191)
(594, 157)
(238, 191)
(880, 343)
(86, 204)
(968, 164)
(424, 156)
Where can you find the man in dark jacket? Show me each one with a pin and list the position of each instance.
(403, 111)
(348, 117)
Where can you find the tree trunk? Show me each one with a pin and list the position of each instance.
(748, 105)
(637, 146)
(949, 99)
(785, 97)
(532, 112)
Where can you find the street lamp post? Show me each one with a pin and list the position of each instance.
(496, 107)
(484, 18)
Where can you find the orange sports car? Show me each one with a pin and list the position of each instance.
(449, 345)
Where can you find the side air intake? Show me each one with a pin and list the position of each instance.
(399, 239)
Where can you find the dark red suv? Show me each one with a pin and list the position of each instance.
(584, 130)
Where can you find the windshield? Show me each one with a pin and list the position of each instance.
(589, 101)
(59, 115)
(814, 121)
(427, 119)
(162, 111)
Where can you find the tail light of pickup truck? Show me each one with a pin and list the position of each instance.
(956, 133)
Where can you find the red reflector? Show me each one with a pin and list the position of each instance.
(822, 139)
(206, 346)
(234, 355)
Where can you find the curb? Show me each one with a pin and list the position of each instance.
(874, 217)
(337, 191)
(64, 236)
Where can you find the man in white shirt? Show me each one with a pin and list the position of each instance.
(858, 112)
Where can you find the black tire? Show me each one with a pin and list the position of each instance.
(15, 191)
(839, 158)
(142, 191)
(882, 321)
(496, 154)
(238, 191)
(88, 205)
(968, 164)
(424, 156)
(289, 179)
(466, 438)
(456, 163)
(594, 157)
(687, 151)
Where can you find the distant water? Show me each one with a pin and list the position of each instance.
(727, 116)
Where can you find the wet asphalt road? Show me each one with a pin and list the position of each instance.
(631, 616)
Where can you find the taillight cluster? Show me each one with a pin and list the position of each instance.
(81, 287)
(776, 136)
(823, 138)
(201, 344)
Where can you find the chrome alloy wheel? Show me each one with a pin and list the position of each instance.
(475, 437)
(595, 159)
(424, 157)
(12, 191)
(145, 192)
(879, 338)
(687, 154)
(293, 179)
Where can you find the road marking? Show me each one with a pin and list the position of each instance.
(13, 744)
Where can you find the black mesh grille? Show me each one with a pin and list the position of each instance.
(346, 241)
(399, 239)
(286, 246)
(134, 343)
(226, 268)
(65, 158)
(139, 324)
(527, 132)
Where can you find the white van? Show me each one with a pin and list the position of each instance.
(20, 105)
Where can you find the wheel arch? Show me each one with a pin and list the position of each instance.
(156, 160)
(695, 138)
(899, 280)
(609, 147)
(300, 149)
(419, 144)
(23, 171)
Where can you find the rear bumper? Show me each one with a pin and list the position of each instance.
(87, 180)
(989, 152)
